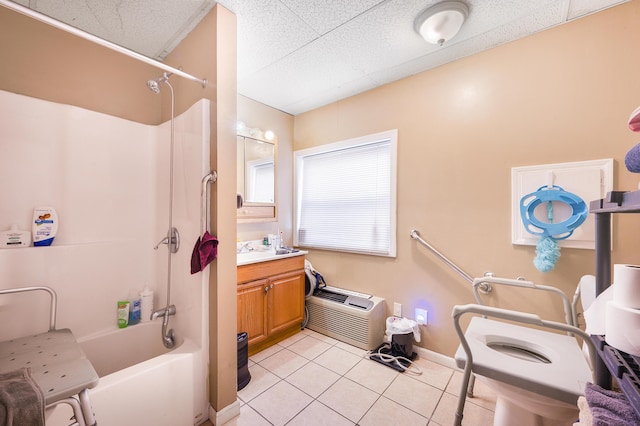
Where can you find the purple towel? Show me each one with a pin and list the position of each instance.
(21, 399)
(205, 250)
(609, 408)
(632, 159)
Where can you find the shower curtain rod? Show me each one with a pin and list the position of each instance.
(90, 37)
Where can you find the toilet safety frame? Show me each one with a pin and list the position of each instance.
(521, 317)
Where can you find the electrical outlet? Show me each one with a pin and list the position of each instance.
(397, 309)
(421, 316)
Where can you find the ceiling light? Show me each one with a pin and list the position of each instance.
(269, 135)
(441, 22)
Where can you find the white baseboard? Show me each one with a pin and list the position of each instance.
(436, 357)
(227, 413)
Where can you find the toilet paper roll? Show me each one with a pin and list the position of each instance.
(623, 328)
(626, 288)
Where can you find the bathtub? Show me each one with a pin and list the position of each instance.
(141, 382)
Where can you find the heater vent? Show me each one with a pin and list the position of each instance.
(348, 323)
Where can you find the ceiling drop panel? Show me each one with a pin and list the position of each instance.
(324, 16)
(268, 31)
(310, 70)
(579, 8)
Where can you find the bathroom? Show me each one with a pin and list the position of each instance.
(558, 96)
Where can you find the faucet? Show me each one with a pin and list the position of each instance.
(164, 312)
(245, 247)
(168, 337)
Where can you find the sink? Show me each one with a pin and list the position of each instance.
(256, 256)
(286, 250)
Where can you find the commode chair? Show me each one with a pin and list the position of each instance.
(58, 365)
(537, 375)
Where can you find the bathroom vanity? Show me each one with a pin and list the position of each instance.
(270, 297)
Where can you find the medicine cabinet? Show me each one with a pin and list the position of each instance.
(256, 178)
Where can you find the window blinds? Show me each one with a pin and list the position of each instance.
(345, 199)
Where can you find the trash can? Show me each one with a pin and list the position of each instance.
(402, 345)
(401, 333)
(244, 377)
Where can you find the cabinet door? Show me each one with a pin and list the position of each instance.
(252, 310)
(286, 301)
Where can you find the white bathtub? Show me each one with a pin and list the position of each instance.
(141, 382)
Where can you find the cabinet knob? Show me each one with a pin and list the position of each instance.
(266, 290)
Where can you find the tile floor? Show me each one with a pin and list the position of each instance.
(311, 379)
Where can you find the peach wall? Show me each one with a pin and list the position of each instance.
(44, 62)
(558, 96)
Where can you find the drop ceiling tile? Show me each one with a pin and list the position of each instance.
(326, 15)
(267, 31)
(307, 71)
(327, 96)
(580, 8)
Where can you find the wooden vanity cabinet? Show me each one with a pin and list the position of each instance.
(270, 301)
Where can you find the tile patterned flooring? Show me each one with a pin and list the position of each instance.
(314, 380)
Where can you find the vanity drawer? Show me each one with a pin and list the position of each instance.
(255, 271)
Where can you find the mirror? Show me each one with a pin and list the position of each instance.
(256, 178)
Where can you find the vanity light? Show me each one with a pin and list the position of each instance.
(441, 22)
(254, 132)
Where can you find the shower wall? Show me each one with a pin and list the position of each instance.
(108, 180)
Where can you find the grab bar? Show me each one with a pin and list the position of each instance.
(521, 282)
(484, 288)
(209, 178)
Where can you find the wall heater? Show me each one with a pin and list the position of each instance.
(351, 319)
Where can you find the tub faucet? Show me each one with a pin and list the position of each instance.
(164, 312)
(168, 336)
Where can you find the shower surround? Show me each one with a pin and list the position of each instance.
(108, 180)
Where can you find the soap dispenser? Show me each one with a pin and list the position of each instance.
(15, 238)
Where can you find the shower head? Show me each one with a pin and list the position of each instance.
(154, 85)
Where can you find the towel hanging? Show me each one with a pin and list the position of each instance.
(206, 247)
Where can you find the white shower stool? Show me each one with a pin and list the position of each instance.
(57, 362)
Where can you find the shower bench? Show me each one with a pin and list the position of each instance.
(57, 362)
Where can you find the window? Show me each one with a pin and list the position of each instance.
(345, 195)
